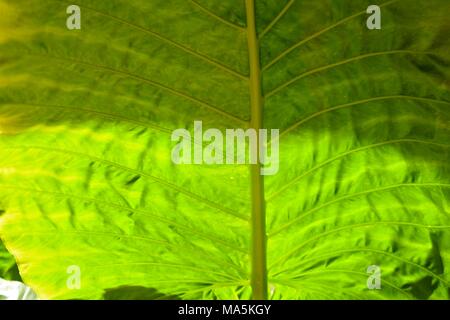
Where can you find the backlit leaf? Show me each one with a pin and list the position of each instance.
(86, 175)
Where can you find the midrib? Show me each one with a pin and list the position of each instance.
(258, 244)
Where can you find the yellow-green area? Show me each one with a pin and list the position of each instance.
(86, 177)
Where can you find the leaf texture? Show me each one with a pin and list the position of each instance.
(86, 176)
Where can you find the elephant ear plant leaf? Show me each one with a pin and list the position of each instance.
(93, 207)
(8, 267)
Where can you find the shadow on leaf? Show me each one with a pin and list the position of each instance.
(136, 293)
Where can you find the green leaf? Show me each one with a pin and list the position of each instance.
(8, 266)
(86, 175)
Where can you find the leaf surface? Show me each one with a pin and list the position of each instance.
(86, 176)
(8, 267)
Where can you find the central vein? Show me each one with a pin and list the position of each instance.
(258, 254)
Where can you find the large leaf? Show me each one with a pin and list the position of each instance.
(86, 174)
(8, 267)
